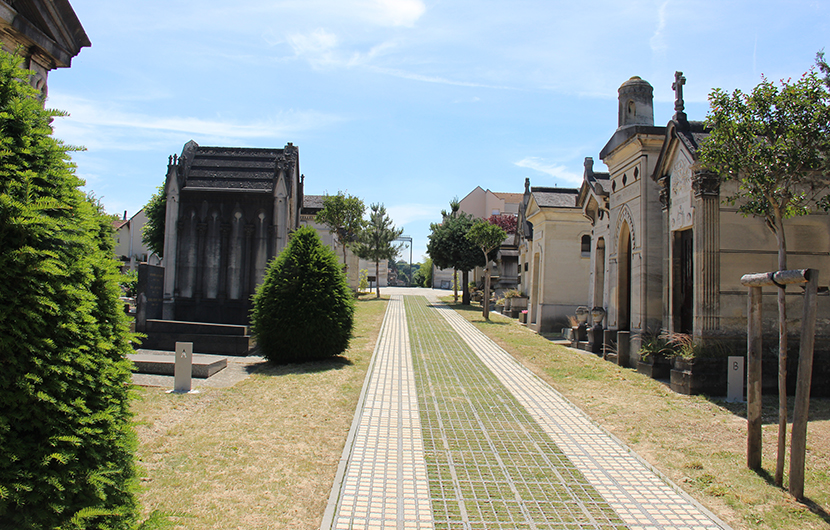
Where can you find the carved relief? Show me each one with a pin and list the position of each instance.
(681, 211)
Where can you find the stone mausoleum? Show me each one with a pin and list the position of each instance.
(229, 211)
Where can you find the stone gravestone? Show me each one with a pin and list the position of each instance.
(151, 283)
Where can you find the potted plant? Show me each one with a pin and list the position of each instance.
(500, 305)
(512, 306)
(698, 367)
(654, 352)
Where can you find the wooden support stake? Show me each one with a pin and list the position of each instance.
(802, 388)
(753, 381)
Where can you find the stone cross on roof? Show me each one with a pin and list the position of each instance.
(677, 86)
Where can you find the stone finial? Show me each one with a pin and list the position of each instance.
(589, 166)
(527, 184)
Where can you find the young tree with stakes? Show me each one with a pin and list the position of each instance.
(774, 143)
(486, 237)
(375, 242)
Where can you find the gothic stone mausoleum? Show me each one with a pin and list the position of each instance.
(229, 211)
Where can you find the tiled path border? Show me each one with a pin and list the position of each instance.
(382, 478)
(382, 481)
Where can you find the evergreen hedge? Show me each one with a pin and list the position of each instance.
(304, 309)
(66, 443)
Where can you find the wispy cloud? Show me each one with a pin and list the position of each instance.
(398, 12)
(554, 170)
(94, 123)
(658, 40)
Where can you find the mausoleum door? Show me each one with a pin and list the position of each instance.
(624, 286)
(683, 282)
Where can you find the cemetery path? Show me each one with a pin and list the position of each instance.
(452, 432)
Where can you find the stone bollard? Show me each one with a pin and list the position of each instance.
(623, 347)
(735, 379)
(183, 371)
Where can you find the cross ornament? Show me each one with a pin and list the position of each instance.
(677, 86)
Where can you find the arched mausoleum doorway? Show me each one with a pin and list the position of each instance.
(624, 279)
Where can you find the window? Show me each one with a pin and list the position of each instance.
(496, 212)
(586, 245)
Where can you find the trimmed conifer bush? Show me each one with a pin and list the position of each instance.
(304, 309)
(66, 444)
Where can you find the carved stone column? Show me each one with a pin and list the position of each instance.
(706, 187)
(665, 202)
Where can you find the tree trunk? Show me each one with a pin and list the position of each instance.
(465, 289)
(377, 277)
(455, 285)
(782, 354)
(486, 299)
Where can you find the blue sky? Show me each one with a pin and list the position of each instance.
(405, 102)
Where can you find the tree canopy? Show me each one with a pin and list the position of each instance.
(343, 214)
(376, 240)
(66, 444)
(448, 246)
(152, 234)
(486, 237)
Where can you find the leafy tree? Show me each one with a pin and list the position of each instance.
(507, 221)
(375, 242)
(423, 276)
(343, 214)
(303, 310)
(448, 246)
(774, 143)
(487, 237)
(66, 445)
(152, 234)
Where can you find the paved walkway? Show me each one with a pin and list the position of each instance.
(451, 432)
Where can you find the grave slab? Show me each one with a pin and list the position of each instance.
(204, 366)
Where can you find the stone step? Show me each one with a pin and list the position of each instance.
(181, 326)
(204, 366)
(202, 342)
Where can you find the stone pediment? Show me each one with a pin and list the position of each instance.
(49, 30)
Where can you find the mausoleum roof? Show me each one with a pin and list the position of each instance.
(555, 197)
(251, 169)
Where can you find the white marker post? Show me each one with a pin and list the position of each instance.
(184, 367)
(735, 380)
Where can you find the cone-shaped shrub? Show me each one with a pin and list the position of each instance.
(65, 437)
(304, 309)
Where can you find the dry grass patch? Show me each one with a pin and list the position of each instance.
(262, 454)
(699, 443)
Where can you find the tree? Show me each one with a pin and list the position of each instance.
(423, 275)
(375, 242)
(486, 237)
(343, 214)
(774, 143)
(448, 246)
(507, 221)
(152, 234)
(66, 444)
(303, 310)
